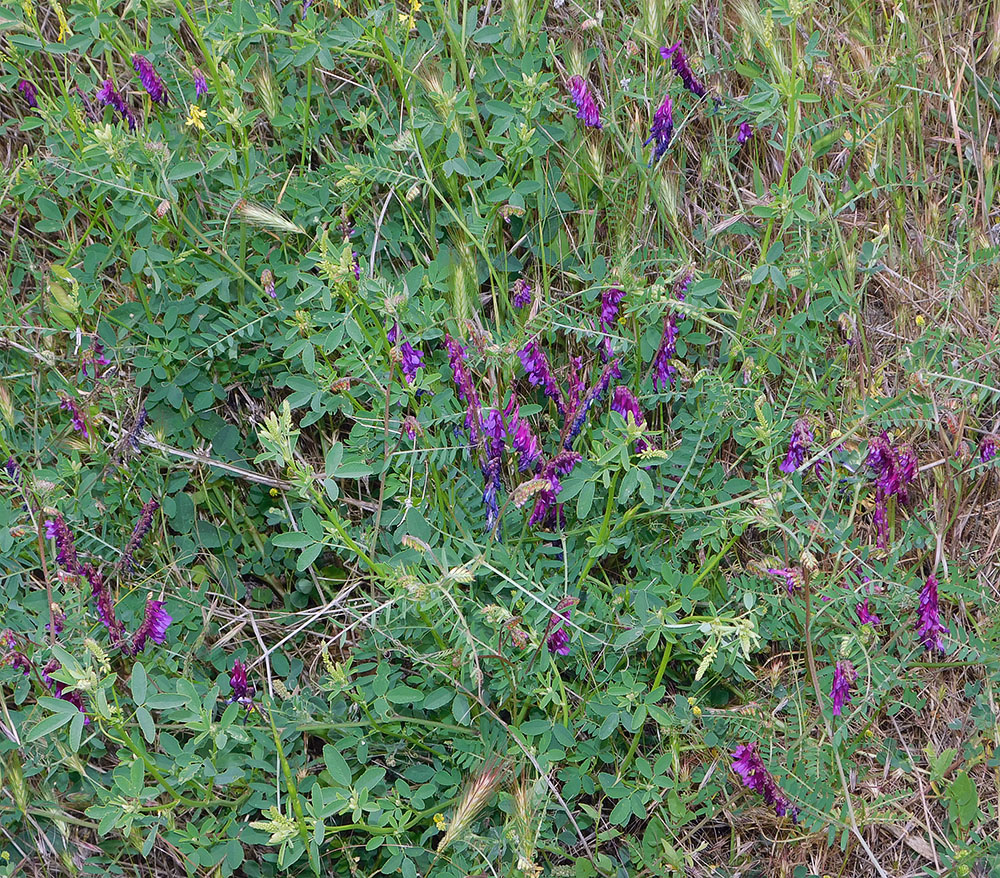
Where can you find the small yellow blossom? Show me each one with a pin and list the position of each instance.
(439, 822)
(196, 117)
(64, 30)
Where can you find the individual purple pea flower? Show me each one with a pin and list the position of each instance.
(411, 361)
(791, 576)
(799, 443)
(95, 360)
(662, 130)
(536, 365)
(844, 676)
(242, 690)
(679, 62)
(101, 594)
(595, 395)
(150, 79)
(154, 626)
(142, 526)
(929, 627)
(76, 416)
(611, 300)
(586, 106)
(744, 133)
(521, 293)
(865, 615)
(558, 642)
(393, 333)
(11, 655)
(561, 464)
(522, 440)
(356, 265)
(29, 93)
(755, 776)
(200, 83)
(108, 95)
(557, 638)
(987, 449)
(57, 529)
(58, 620)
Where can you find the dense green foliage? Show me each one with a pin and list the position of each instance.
(251, 259)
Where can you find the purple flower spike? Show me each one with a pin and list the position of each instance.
(611, 300)
(791, 576)
(595, 395)
(678, 61)
(79, 424)
(56, 529)
(662, 130)
(14, 471)
(987, 449)
(798, 446)
(105, 605)
(586, 106)
(894, 470)
(558, 642)
(29, 93)
(108, 95)
(744, 133)
(561, 464)
(150, 79)
(142, 526)
(154, 626)
(624, 402)
(536, 364)
(466, 389)
(844, 676)
(929, 627)
(411, 361)
(200, 83)
(663, 369)
(243, 692)
(521, 294)
(866, 616)
(755, 776)
(522, 440)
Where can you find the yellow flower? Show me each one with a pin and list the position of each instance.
(64, 30)
(196, 116)
(439, 822)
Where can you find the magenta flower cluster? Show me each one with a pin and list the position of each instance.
(521, 294)
(109, 96)
(586, 106)
(679, 62)
(664, 369)
(799, 444)
(755, 776)
(894, 469)
(150, 79)
(929, 625)
(844, 677)
(242, 690)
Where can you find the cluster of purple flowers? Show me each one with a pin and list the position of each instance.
(679, 62)
(109, 96)
(894, 469)
(466, 387)
(844, 677)
(791, 576)
(29, 93)
(929, 626)
(799, 443)
(988, 449)
(410, 358)
(521, 294)
(242, 690)
(79, 424)
(594, 395)
(155, 622)
(663, 368)
(624, 402)
(142, 526)
(200, 83)
(539, 372)
(96, 360)
(11, 656)
(865, 614)
(755, 776)
(662, 130)
(586, 106)
(544, 512)
(556, 635)
(150, 79)
(57, 529)
(523, 440)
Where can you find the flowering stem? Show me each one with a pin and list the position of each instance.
(48, 582)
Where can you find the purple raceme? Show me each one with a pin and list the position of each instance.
(611, 300)
(101, 594)
(755, 776)
(356, 265)
(844, 677)
(243, 691)
(663, 368)
(577, 387)
(562, 464)
(521, 293)
(150, 79)
(744, 133)
(557, 637)
(791, 576)
(13, 470)
(586, 106)
(132, 437)
(411, 361)
(595, 395)
(679, 62)
(59, 689)
(987, 449)
(200, 83)
(558, 642)
(76, 416)
(154, 626)
(495, 432)
(142, 526)
(58, 619)
(894, 469)
(522, 439)
(96, 360)
(57, 529)
(536, 365)
(29, 93)
(466, 388)
(624, 402)
(865, 615)
(662, 130)
(929, 627)
(11, 656)
(108, 95)
(798, 446)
